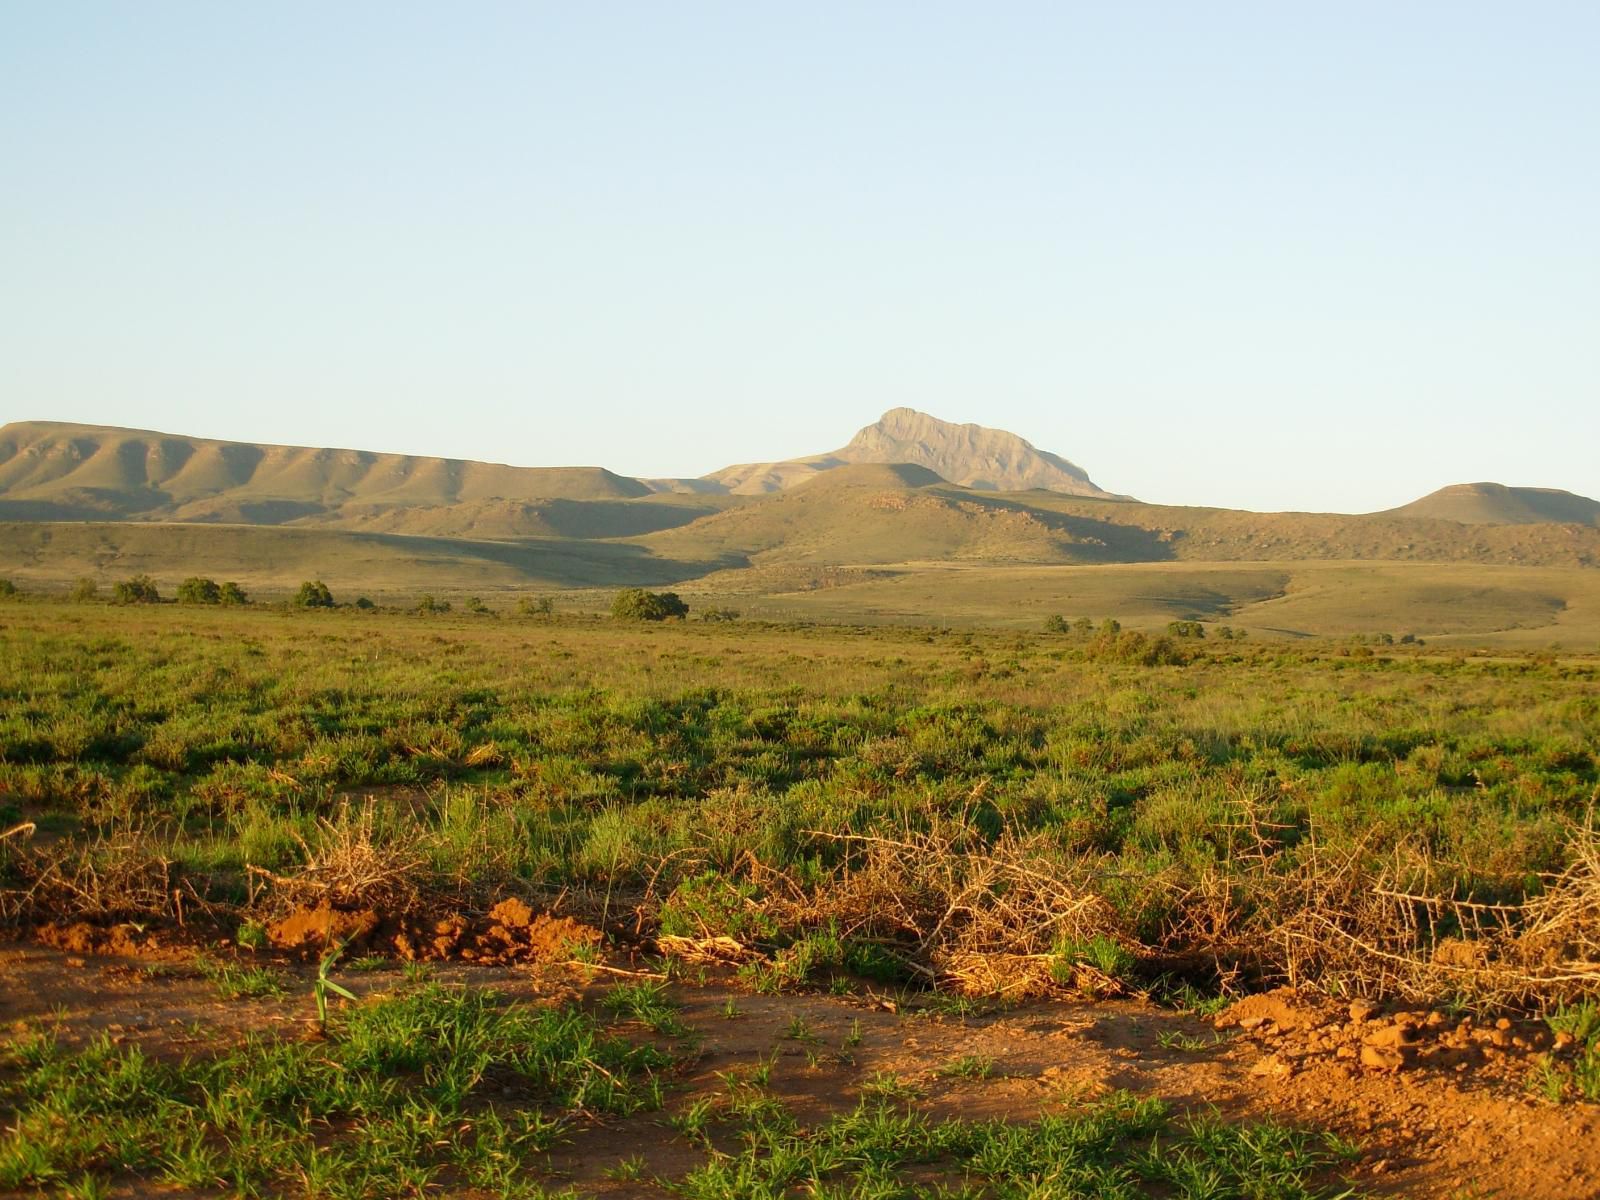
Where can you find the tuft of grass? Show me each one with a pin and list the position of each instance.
(1557, 1078)
(761, 1073)
(799, 1030)
(1105, 954)
(234, 981)
(886, 1085)
(1190, 999)
(629, 1170)
(968, 1066)
(646, 1000)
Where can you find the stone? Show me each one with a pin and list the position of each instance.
(1382, 1058)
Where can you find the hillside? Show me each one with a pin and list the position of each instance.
(988, 460)
(1496, 504)
(874, 515)
(52, 471)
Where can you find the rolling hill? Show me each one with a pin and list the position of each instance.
(869, 515)
(56, 471)
(1496, 504)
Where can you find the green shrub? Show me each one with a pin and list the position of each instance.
(872, 961)
(1104, 954)
(1055, 623)
(199, 590)
(139, 589)
(231, 593)
(536, 606)
(1133, 648)
(313, 593)
(85, 590)
(808, 958)
(712, 905)
(429, 605)
(636, 604)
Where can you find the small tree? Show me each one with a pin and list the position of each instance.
(313, 593)
(232, 593)
(364, 604)
(474, 604)
(1110, 626)
(140, 589)
(1082, 627)
(85, 590)
(199, 590)
(636, 604)
(1187, 629)
(1055, 623)
(429, 605)
(7, 589)
(536, 606)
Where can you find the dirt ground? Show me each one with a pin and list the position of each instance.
(1440, 1106)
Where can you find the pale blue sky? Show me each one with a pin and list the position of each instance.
(1269, 255)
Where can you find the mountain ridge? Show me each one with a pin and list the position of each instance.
(58, 471)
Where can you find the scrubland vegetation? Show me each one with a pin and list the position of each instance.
(896, 804)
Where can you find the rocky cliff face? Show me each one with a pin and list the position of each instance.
(971, 455)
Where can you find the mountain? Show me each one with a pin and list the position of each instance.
(57, 471)
(986, 460)
(75, 495)
(1496, 504)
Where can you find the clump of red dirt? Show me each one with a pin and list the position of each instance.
(80, 937)
(511, 931)
(1300, 1032)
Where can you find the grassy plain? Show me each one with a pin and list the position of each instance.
(1459, 604)
(894, 810)
(1198, 793)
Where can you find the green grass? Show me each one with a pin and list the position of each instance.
(1118, 1148)
(236, 980)
(969, 1066)
(1577, 1073)
(646, 1001)
(436, 1087)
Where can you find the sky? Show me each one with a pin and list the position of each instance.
(1270, 255)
